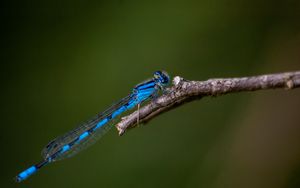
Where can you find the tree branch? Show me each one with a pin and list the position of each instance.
(183, 91)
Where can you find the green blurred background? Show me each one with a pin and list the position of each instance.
(64, 61)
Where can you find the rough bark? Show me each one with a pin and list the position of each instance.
(183, 91)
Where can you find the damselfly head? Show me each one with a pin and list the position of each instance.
(162, 77)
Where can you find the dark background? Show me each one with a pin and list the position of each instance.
(64, 61)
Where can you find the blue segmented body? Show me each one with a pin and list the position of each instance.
(84, 135)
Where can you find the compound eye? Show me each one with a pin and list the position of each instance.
(157, 75)
(165, 78)
(158, 72)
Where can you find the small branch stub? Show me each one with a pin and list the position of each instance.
(184, 91)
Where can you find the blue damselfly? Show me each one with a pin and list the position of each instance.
(85, 134)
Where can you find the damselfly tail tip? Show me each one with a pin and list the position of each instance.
(17, 179)
(26, 173)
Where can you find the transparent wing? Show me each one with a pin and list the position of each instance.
(54, 146)
(90, 140)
